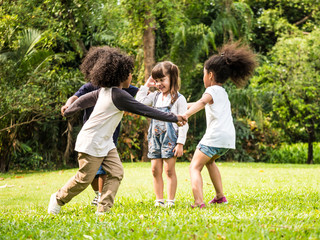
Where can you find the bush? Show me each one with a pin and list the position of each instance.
(294, 153)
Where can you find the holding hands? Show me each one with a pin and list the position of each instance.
(182, 120)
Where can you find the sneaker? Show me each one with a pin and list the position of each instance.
(218, 201)
(159, 203)
(100, 213)
(202, 205)
(95, 201)
(54, 207)
(170, 203)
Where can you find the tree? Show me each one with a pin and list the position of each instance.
(293, 72)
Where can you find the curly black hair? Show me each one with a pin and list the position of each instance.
(234, 61)
(106, 66)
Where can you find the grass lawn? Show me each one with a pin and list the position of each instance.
(266, 201)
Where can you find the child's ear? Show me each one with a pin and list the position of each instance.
(211, 77)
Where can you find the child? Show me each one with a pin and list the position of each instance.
(98, 181)
(111, 71)
(237, 63)
(166, 140)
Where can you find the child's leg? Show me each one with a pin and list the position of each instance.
(198, 161)
(88, 166)
(94, 185)
(169, 166)
(215, 177)
(101, 179)
(157, 169)
(114, 169)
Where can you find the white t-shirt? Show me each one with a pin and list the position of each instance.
(220, 130)
(95, 137)
(179, 107)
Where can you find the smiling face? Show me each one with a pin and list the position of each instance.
(163, 84)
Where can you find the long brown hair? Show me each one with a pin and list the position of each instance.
(169, 69)
(234, 61)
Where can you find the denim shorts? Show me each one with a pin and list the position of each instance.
(212, 151)
(100, 172)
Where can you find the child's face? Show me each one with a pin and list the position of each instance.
(207, 78)
(163, 84)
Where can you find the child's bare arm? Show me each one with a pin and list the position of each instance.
(198, 105)
(190, 104)
(83, 102)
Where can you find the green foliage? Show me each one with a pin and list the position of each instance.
(129, 142)
(266, 201)
(292, 153)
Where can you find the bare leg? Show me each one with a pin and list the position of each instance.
(169, 167)
(157, 168)
(198, 161)
(94, 184)
(215, 177)
(101, 179)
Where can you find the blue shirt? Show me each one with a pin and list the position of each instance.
(88, 87)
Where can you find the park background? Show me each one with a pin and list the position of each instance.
(42, 43)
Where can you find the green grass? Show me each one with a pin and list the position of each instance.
(266, 201)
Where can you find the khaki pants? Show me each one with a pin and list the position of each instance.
(88, 167)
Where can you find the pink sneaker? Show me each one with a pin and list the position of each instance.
(202, 205)
(220, 200)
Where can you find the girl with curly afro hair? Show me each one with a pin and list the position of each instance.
(110, 69)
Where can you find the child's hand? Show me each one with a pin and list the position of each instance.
(150, 82)
(181, 120)
(184, 117)
(63, 109)
(178, 150)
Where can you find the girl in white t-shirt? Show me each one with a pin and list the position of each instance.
(165, 140)
(237, 63)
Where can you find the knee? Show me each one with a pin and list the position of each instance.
(193, 168)
(118, 172)
(155, 172)
(170, 172)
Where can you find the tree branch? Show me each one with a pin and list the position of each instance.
(304, 19)
(34, 119)
(5, 114)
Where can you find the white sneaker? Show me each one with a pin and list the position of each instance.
(170, 203)
(95, 201)
(100, 213)
(54, 207)
(159, 203)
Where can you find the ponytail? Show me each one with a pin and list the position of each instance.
(233, 61)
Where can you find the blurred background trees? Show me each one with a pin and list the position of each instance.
(43, 41)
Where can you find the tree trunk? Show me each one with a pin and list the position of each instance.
(6, 152)
(69, 148)
(149, 61)
(311, 138)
